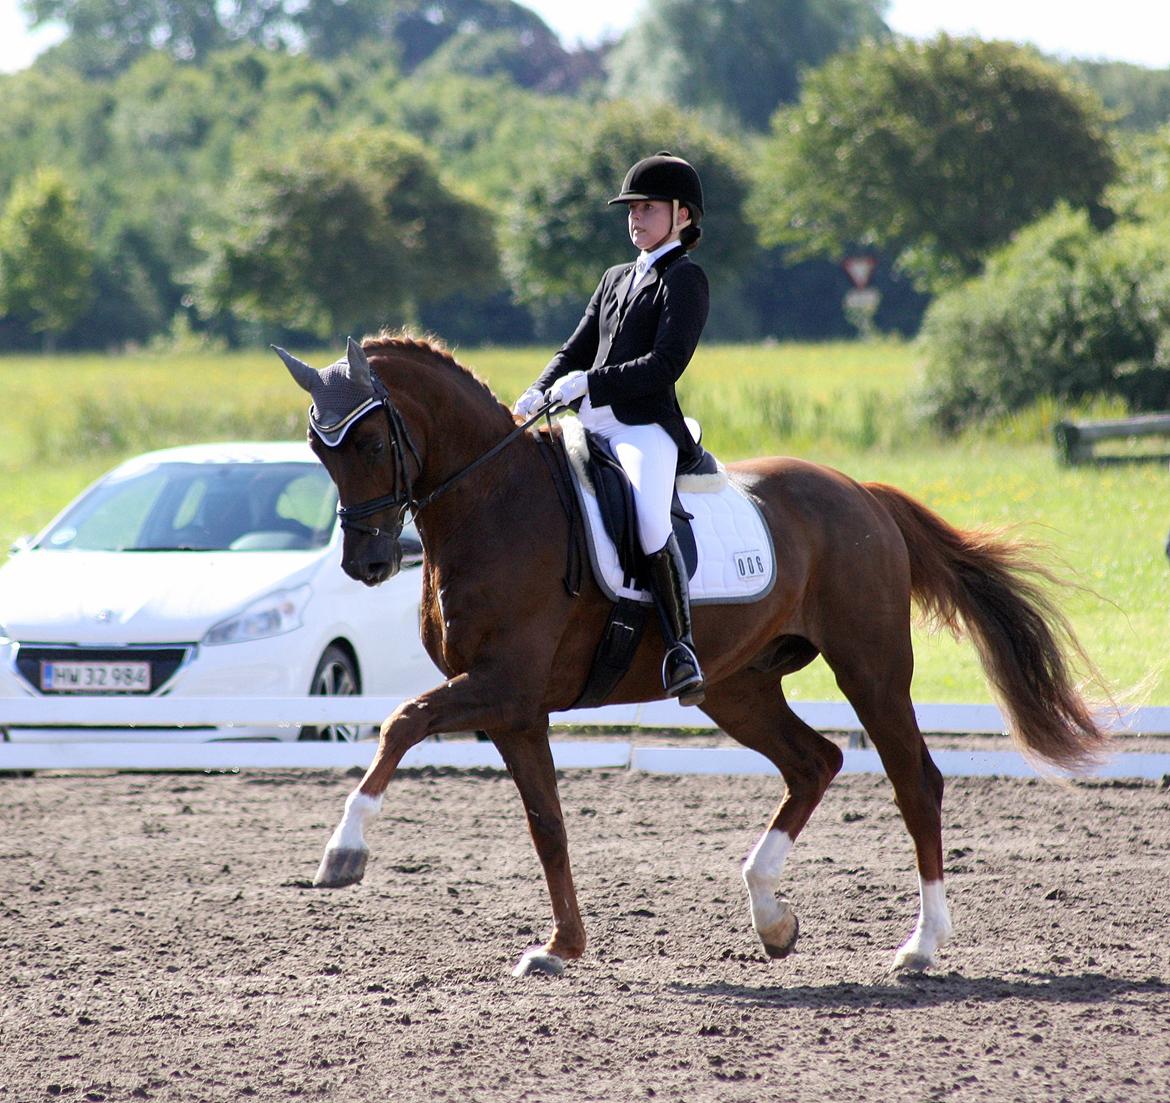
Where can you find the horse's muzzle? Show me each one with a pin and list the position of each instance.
(373, 560)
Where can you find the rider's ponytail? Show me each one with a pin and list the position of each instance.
(689, 236)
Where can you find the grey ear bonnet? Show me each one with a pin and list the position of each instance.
(343, 393)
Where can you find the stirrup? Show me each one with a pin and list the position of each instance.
(689, 689)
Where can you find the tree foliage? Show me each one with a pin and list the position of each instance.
(106, 36)
(1142, 189)
(742, 58)
(482, 130)
(162, 114)
(482, 36)
(934, 152)
(1137, 97)
(1063, 312)
(345, 236)
(46, 256)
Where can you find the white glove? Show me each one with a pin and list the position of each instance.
(529, 402)
(569, 388)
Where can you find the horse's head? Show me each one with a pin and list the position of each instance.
(365, 455)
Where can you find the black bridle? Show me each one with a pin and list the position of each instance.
(354, 517)
(403, 499)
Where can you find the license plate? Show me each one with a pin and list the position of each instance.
(72, 677)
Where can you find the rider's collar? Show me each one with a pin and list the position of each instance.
(333, 434)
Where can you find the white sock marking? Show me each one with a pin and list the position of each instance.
(761, 874)
(350, 833)
(932, 930)
(934, 921)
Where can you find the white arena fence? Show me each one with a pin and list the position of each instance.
(570, 749)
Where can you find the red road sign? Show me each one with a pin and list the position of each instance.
(860, 268)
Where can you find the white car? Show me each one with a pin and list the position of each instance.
(207, 570)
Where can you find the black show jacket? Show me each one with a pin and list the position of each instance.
(634, 350)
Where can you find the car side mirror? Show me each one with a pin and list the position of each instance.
(412, 550)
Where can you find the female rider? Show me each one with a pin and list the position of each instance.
(619, 368)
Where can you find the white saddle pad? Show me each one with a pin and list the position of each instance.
(737, 562)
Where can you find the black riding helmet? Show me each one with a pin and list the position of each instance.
(663, 176)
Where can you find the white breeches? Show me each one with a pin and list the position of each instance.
(650, 458)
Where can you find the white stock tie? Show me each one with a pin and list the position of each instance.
(640, 267)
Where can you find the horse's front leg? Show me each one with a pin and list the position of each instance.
(464, 703)
(530, 762)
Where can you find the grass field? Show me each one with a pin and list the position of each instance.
(67, 419)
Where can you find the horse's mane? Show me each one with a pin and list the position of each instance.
(389, 342)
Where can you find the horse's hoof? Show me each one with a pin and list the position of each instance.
(539, 961)
(339, 868)
(779, 951)
(780, 938)
(911, 961)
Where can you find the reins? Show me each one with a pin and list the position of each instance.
(495, 449)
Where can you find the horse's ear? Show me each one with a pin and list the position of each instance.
(359, 365)
(305, 375)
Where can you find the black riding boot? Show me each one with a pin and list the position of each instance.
(681, 675)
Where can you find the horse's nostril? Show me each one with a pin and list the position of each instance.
(377, 571)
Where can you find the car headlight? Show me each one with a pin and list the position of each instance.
(269, 616)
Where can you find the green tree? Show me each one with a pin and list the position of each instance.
(481, 130)
(741, 57)
(527, 60)
(106, 36)
(46, 257)
(1062, 312)
(417, 28)
(1139, 98)
(56, 118)
(346, 235)
(1140, 192)
(933, 152)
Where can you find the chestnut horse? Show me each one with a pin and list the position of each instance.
(400, 425)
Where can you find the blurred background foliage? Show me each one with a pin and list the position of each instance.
(187, 174)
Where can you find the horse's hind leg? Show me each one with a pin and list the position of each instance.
(885, 710)
(530, 762)
(750, 707)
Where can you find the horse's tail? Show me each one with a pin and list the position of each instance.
(994, 588)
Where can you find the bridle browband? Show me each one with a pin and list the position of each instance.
(402, 499)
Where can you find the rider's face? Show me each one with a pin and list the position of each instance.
(649, 221)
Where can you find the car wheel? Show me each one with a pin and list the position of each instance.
(335, 676)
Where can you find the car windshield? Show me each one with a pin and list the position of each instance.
(201, 507)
